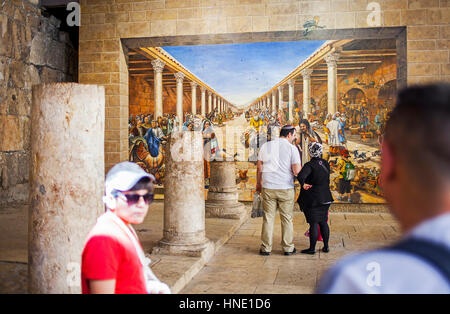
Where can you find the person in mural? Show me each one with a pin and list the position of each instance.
(334, 126)
(144, 127)
(342, 122)
(210, 145)
(306, 135)
(347, 173)
(188, 126)
(326, 131)
(157, 131)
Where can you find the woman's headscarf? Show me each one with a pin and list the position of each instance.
(315, 149)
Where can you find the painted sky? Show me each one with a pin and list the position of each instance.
(242, 72)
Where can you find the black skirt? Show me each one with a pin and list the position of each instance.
(316, 214)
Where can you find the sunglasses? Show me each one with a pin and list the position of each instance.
(134, 198)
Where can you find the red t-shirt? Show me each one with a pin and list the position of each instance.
(110, 254)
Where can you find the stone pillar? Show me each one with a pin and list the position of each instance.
(180, 77)
(203, 90)
(274, 100)
(158, 67)
(280, 96)
(215, 102)
(306, 73)
(268, 102)
(331, 60)
(209, 101)
(184, 208)
(66, 182)
(194, 97)
(291, 83)
(222, 199)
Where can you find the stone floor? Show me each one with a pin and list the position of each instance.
(236, 266)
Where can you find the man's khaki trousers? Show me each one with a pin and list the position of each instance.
(284, 201)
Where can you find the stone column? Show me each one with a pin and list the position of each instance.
(274, 100)
(291, 83)
(306, 73)
(222, 199)
(280, 96)
(66, 182)
(215, 102)
(203, 90)
(331, 60)
(180, 77)
(194, 97)
(184, 208)
(158, 67)
(268, 102)
(209, 101)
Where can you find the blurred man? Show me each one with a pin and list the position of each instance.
(415, 172)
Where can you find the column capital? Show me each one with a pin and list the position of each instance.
(280, 88)
(209, 92)
(331, 59)
(179, 76)
(193, 84)
(202, 89)
(306, 73)
(291, 82)
(158, 65)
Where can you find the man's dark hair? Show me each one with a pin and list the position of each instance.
(418, 132)
(286, 130)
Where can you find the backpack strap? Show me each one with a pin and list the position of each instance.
(433, 253)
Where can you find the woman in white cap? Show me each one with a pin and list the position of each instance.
(113, 260)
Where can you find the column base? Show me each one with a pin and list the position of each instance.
(227, 210)
(203, 250)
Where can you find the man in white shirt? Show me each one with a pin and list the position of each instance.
(415, 174)
(278, 164)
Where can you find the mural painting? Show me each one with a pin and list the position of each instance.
(261, 97)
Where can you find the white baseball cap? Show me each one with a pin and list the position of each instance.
(124, 176)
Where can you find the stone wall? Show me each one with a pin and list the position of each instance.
(32, 51)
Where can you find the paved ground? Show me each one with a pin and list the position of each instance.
(237, 267)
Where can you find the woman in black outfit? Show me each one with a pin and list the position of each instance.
(315, 196)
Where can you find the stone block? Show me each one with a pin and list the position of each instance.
(429, 57)
(414, 17)
(421, 44)
(164, 28)
(11, 138)
(314, 7)
(117, 17)
(163, 14)
(392, 18)
(137, 29)
(394, 4)
(438, 16)
(260, 24)
(175, 4)
(423, 32)
(345, 20)
(423, 69)
(423, 4)
(282, 22)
